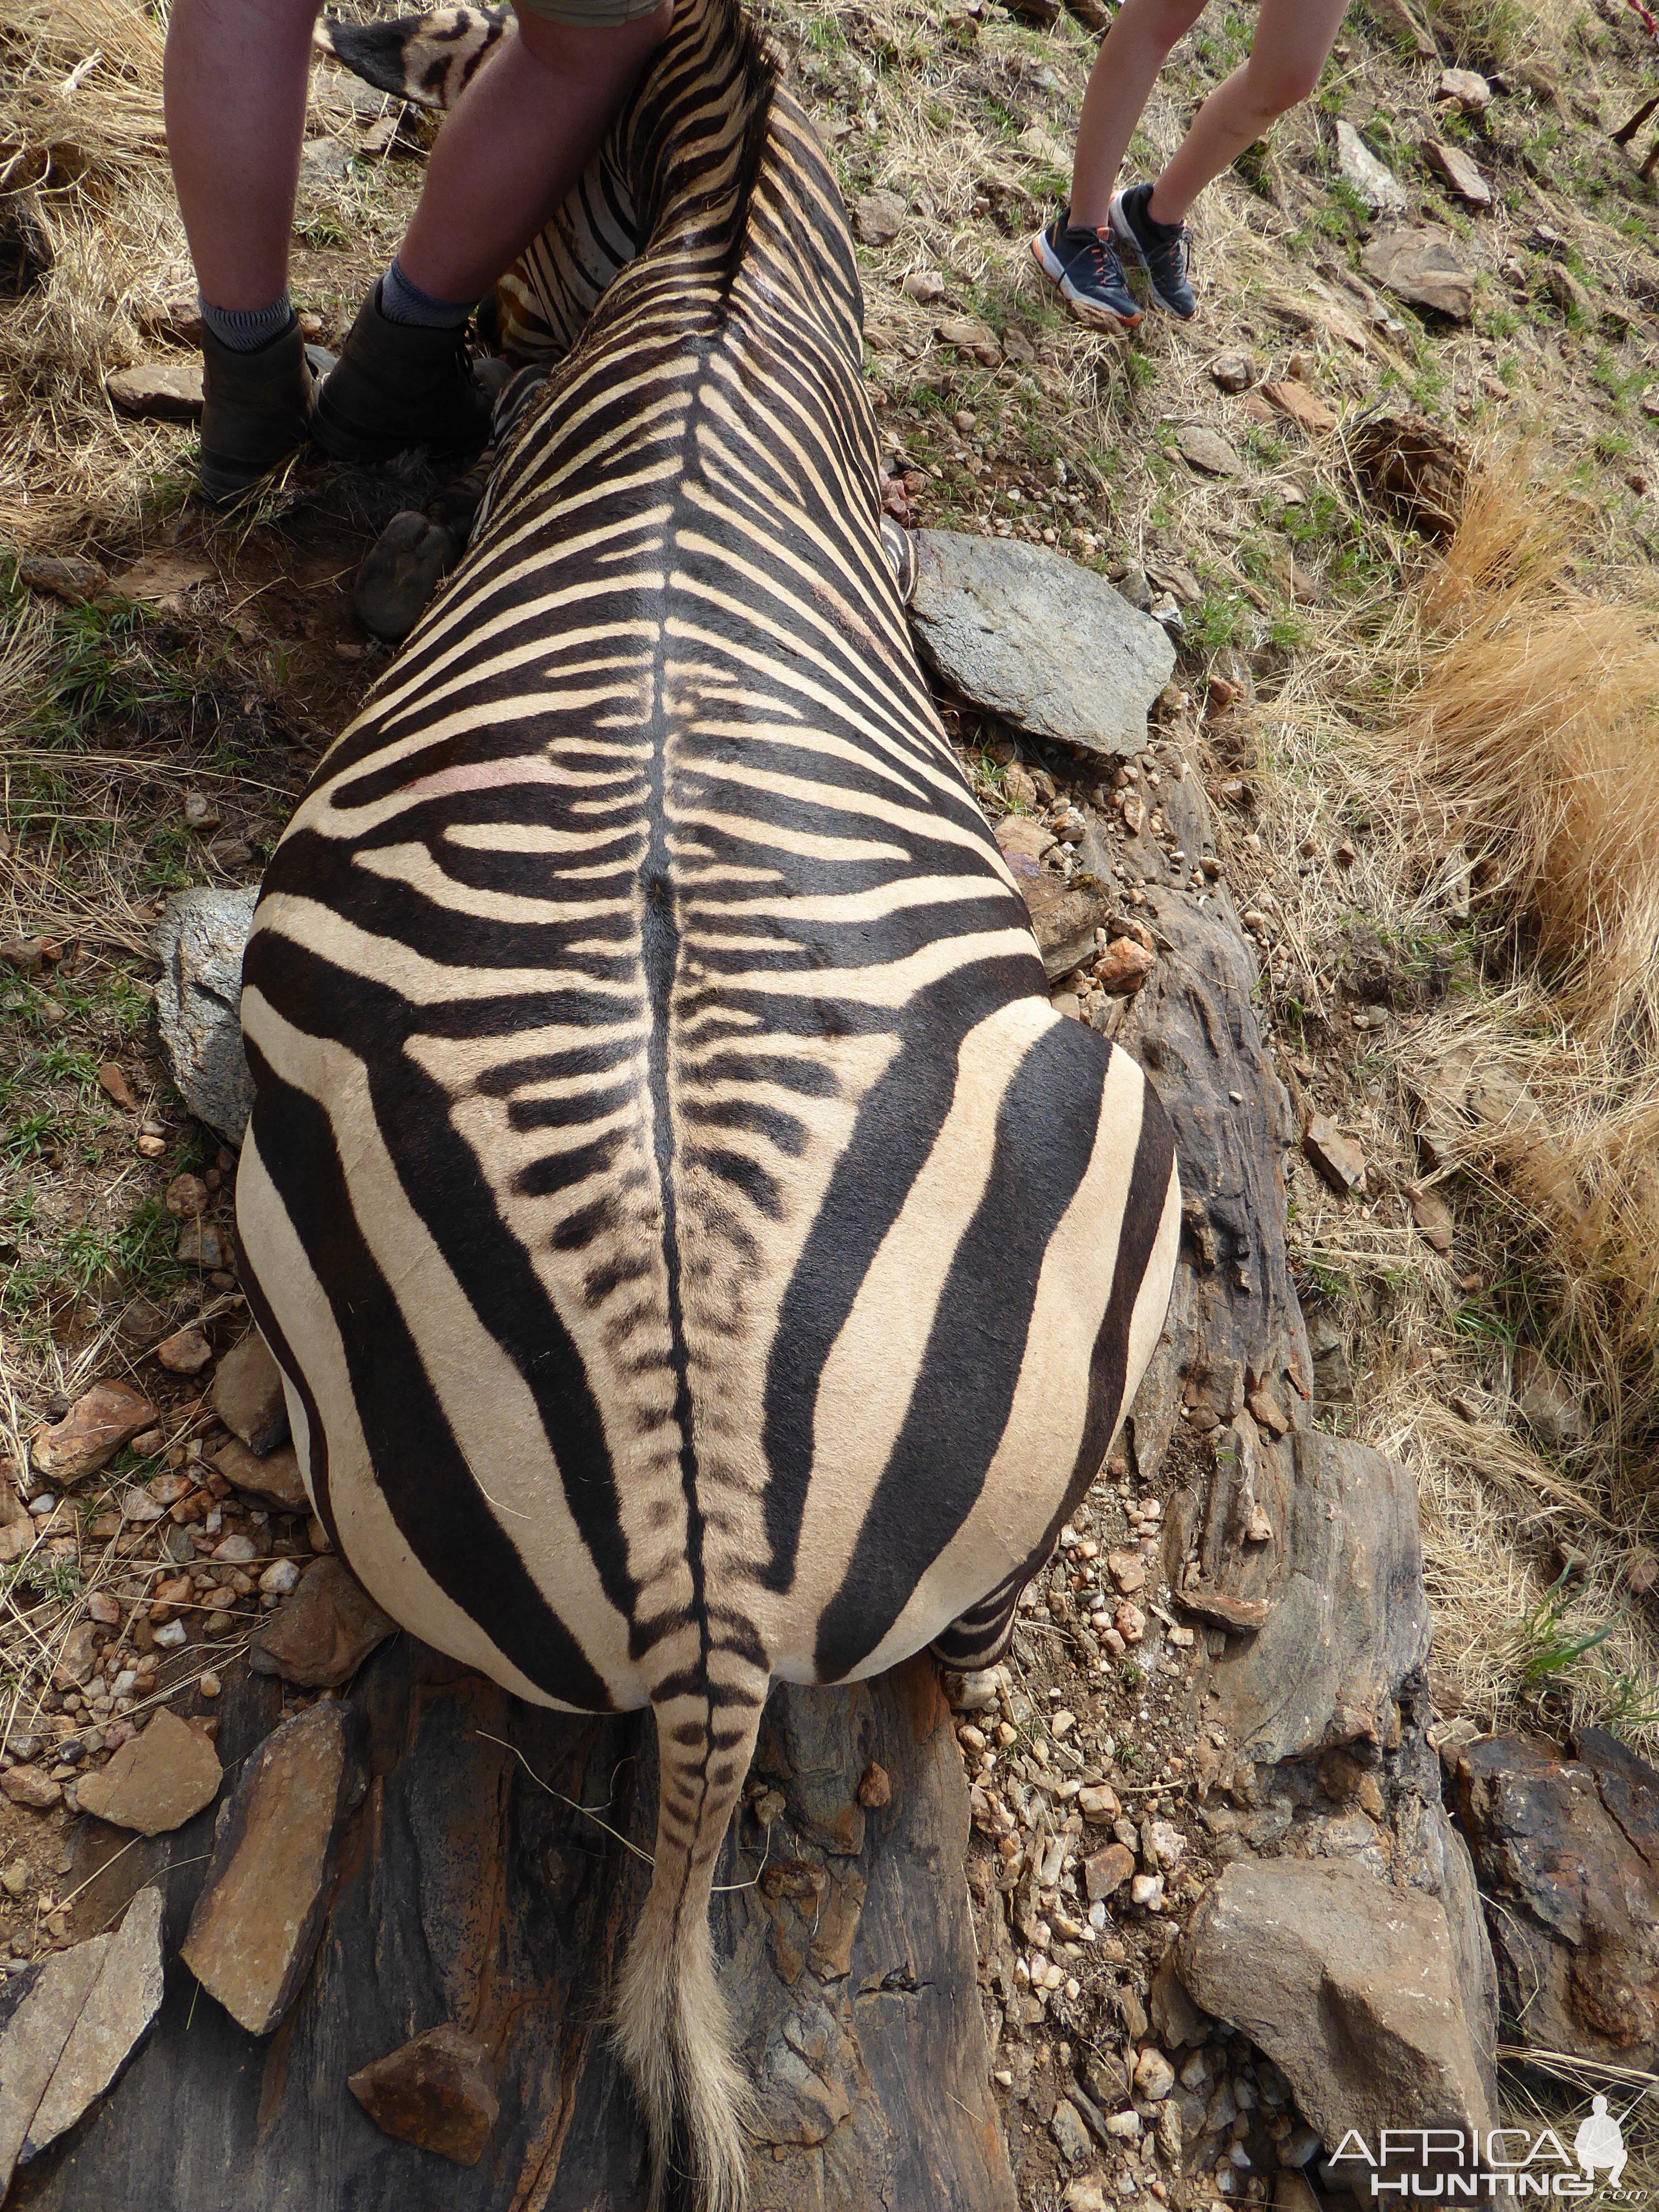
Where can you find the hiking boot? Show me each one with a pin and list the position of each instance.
(256, 408)
(400, 385)
(1163, 249)
(1083, 263)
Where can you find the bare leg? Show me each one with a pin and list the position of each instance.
(514, 144)
(1125, 69)
(235, 84)
(1293, 37)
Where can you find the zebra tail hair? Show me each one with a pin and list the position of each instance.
(673, 2025)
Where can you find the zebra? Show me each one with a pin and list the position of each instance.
(697, 1254)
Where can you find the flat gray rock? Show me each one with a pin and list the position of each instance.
(34, 2041)
(199, 942)
(1374, 182)
(118, 2010)
(981, 605)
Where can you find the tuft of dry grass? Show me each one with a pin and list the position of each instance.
(1533, 740)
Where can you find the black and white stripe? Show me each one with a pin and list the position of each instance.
(697, 1252)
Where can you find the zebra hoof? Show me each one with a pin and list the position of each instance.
(900, 548)
(396, 580)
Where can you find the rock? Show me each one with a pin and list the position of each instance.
(1084, 2195)
(1154, 2075)
(877, 218)
(1127, 1570)
(32, 2042)
(1304, 408)
(201, 1245)
(320, 1636)
(157, 1782)
(62, 576)
(76, 1657)
(1349, 1984)
(1433, 1218)
(186, 1197)
(1071, 2136)
(1177, 2019)
(1098, 1803)
(117, 2013)
(91, 1433)
(1374, 182)
(259, 1916)
(876, 1789)
(198, 942)
(1239, 1616)
(1567, 1849)
(29, 1786)
(16, 1525)
(977, 338)
(1338, 1158)
(1348, 1623)
(978, 603)
(435, 2091)
(1123, 967)
(273, 1476)
(1470, 90)
(1412, 467)
(924, 286)
(159, 390)
(1208, 451)
(248, 1396)
(1568, 294)
(187, 1351)
(1106, 1871)
(112, 1082)
(1545, 1402)
(1426, 268)
(1233, 372)
(400, 574)
(1459, 172)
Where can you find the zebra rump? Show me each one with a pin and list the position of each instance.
(697, 1254)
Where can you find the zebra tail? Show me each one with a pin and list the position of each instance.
(673, 2027)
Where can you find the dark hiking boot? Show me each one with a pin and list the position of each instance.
(400, 385)
(256, 408)
(1163, 249)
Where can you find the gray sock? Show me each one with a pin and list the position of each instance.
(244, 329)
(403, 302)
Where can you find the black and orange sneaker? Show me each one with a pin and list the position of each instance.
(1163, 249)
(1085, 265)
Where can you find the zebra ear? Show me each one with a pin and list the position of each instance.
(428, 59)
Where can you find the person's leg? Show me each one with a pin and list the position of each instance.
(509, 152)
(1125, 69)
(1293, 37)
(236, 79)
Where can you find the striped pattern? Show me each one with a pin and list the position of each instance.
(697, 1253)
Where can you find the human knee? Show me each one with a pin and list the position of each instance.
(1275, 85)
(590, 38)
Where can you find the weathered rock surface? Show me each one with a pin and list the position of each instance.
(16, 1525)
(877, 218)
(259, 1918)
(273, 1476)
(466, 1892)
(1454, 167)
(433, 2092)
(318, 1637)
(1567, 1852)
(198, 942)
(163, 391)
(33, 2040)
(118, 2009)
(158, 1781)
(1374, 182)
(1412, 467)
(249, 1397)
(1426, 268)
(1208, 451)
(978, 603)
(1350, 1985)
(1338, 1158)
(93, 1429)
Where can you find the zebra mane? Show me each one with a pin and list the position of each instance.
(664, 131)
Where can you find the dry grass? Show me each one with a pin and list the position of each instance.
(1534, 739)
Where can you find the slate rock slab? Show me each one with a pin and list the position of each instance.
(259, 1918)
(93, 1429)
(467, 1894)
(1426, 268)
(979, 604)
(157, 1781)
(435, 2091)
(199, 942)
(160, 390)
(1375, 183)
(248, 1396)
(34, 2040)
(119, 2010)
(1350, 1985)
(321, 1635)
(1566, 1848)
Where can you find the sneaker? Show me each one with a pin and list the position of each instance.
(1085, 266)
(399, 385)
(1163, 249)
(255, 409)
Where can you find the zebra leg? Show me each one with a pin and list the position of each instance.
(900, 548)
(982, 1634)
(673, 2029)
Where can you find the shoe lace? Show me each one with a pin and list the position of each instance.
(1175, 256)
(1100, 258)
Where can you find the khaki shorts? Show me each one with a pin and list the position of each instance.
(588, 15)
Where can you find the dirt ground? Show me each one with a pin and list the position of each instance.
(162, 717)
